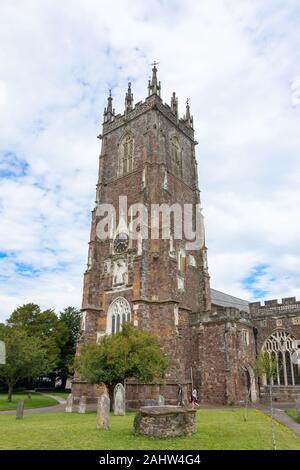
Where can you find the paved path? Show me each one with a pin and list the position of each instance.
(60, 400)
(280, 415)
(46, 409)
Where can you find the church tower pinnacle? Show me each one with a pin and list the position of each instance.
(128, 99)
(109, 111)
(174, 104)
(154, 86)
(188, 117)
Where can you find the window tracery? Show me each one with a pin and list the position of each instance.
(280, 346)
(126, 156)
(119, 312)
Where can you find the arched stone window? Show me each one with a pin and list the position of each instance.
(176, 157)
(126, 155)
(118, 312)
(280, 346)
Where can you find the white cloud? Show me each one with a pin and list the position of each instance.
(238, 61)
(295, 90)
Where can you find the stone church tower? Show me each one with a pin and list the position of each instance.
(141, 269)
(147, 155)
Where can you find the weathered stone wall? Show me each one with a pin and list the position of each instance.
(226, 346)
(80, 388)
(138, 394)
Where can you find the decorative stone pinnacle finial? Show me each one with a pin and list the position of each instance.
(154, 86)
(188, 118)
(109, 102)
(128, 99)
(174, 104)
(109, 111)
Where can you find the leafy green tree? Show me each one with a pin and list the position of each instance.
(25, 357)
(266, 366)
(131, 353)
(44, 325)
(70, 318)
(58, 334)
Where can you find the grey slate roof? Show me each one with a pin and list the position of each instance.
(226, 300)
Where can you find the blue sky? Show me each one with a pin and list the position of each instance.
(239, 62)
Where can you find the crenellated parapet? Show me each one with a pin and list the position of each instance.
(152, 102)
(113, 121)
(288, 305)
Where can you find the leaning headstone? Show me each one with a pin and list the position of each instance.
(2, 353)
(82, 404)
(160, 400)
(20, 409)
(103, 407)
(69, 405)
(119, 400)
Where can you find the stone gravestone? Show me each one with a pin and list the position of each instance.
(69, 405)
(119, 400)
(160, 400)
(82, 404)
(20, 409)
(2, 353)
(103, 408)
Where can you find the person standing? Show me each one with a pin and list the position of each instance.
(194, 398)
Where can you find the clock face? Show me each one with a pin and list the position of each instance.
(121, 242)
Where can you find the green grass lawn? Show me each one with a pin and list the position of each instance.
(37, 401)
(292, 412)
(216, 429)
